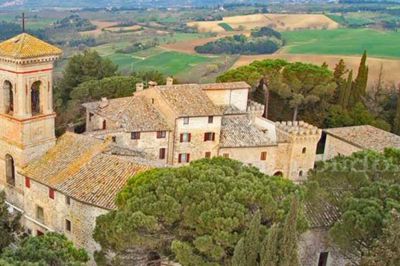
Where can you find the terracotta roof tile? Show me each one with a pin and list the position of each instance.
(226, 86)
(189, 100)
(239, 131)
(366, 137)
(86, 169)
(26, 46)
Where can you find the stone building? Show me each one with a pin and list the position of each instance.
(180, 123)
(64, 184)
(347, 140)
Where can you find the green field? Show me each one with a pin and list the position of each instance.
(343, 42)
(226, 26)
(169, 63)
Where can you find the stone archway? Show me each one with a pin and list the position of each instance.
(36, 107)
(278, 173)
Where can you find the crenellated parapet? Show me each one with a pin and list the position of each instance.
(255, 108)
(295, 130)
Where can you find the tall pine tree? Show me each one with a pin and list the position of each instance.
(289, 252)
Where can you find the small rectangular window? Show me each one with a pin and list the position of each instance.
(27, 182)
(39, 214)
(186, 120)
(161, 134)
(135, 135)
(68, 225)
(209, 136)
(210, 119)
(67, 200)
(90, 116)
(162, 153)
(263, 156)
(185, 137)
(323, 259)
(208, 155)
(114, 139)
(184, 158)
(51, 193)
(226, 155)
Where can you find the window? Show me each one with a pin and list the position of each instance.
(184, 158)
(67, 200)
(161, 134)
(301, 173)
(10, 170)
(209, 136)
(39, 233)
(208, 155)
(114, 139)
(186, 120)
(135, 135)
(51, 193)
(278, 173)
(162, 153)
(27, 182)
(263, 156)
(35, 98)
(323, 259)
(304, 150)
(226, 155)
(68, 225)
(185, 137)
(90, 116)
(39, 214)
(210, 119)
(8, 96)
(104, 124)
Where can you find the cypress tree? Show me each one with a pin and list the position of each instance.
(270, 249)
(340, 70)
(345, 101)
(396, 124)
(289, 252)
(361, 81)
(247, 249)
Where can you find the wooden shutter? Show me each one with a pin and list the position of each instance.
(181, 137)
(27, 182)
(51, 193)
(213, 136)
(188, 157)
(190, 137)
(179, 158)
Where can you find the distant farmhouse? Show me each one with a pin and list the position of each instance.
(64, 184)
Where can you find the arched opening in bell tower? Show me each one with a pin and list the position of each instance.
(8, 97)
(10, 170)
(35, 98)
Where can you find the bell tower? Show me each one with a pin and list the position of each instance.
(27, 118)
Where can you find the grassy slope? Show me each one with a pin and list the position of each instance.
(343, 42)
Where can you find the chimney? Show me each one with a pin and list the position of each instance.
(152, 84)
(104, 102)
(139, 86)
(170, 81)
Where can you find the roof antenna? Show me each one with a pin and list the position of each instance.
(23, 22)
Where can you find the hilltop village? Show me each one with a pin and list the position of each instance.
(63, 184)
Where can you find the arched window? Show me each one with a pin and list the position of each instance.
(104, 124)
(279, 173)
(301, 173)
(35, 98)
(304, 150)
(10, 170)
(8, 97)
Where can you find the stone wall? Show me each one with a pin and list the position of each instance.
(197, 147)
(335, 147)
(312, 243)
(237, 98)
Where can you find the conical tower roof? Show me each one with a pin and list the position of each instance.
(25, 46)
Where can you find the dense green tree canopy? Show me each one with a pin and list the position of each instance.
(9, 224)
(366, 189)
(196, 214)
(50, 249)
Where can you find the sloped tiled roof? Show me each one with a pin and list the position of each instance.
(366, 137)
(239, 131)
(85, 169)
(225, 86)
(25, 46)
(323, 216)
(189, 100)
(134, 113)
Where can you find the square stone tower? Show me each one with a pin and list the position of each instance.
(26, 105)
